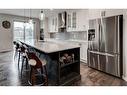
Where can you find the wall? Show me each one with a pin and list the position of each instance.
(77, 35)
(125, 44)
(6, 35)
(124, 12)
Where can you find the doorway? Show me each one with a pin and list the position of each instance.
(23, 31)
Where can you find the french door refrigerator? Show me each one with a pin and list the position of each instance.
(105, 44)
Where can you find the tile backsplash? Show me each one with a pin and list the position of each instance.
(76, 35)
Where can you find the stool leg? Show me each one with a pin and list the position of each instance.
(30, 74)
(33, 77)
(26, 63)
(15, 53)
(18, 60)
(22, 66)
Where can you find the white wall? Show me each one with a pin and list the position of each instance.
(125, 44)
(6, 35)
(124, 12)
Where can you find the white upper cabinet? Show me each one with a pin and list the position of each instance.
(53, 23)
(94, 13)
(69, 21)
(82, 20)
(98, 13)
(77, 20)
(113, 12)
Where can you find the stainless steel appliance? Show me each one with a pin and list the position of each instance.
(105, 44)
(62, 21)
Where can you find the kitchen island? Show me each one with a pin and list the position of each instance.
(60, 71)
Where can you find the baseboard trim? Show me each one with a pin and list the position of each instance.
(84, 61)
(124, 78)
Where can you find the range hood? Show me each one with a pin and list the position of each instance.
(62, 21)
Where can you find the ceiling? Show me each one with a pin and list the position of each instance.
(22, 12)
(35, 13)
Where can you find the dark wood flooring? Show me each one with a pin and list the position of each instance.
(10, 75)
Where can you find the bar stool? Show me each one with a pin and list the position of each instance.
(36, 64)
(17, 48)
(24, 50)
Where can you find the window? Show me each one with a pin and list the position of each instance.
(23, 31)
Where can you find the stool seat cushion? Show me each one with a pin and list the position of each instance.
(39, 64)
(32, 62)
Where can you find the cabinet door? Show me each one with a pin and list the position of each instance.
(85, 46)
(53, 23)
(50, 24)
(56, 24)
(82, 21)
(69, 21)
(83, 52)
(94, 13)
(113, 12)
(74, 20)
(77, 20)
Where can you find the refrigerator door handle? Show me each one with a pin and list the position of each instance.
(100, 42)
(118, 44)
(102, 53)
(99, 39)
(118, 28)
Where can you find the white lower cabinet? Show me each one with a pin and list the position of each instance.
(83, 52)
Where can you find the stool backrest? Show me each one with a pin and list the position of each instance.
(17, 45)
(22, 49)
(33, 56)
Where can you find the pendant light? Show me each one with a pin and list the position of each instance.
(42, 15)
(24, 19)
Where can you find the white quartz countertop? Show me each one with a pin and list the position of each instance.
(49, 47)
(69, 40)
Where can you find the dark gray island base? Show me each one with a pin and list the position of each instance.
(59, 73)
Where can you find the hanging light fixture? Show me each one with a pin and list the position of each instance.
(42, 15)
(24, 19)
(30, 19)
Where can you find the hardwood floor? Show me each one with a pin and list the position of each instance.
(10, 75)
(92, 77)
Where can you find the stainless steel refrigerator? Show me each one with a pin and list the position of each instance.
(105, 44)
